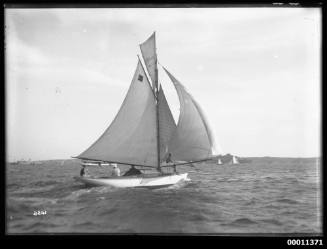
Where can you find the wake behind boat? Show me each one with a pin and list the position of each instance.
(144, 133)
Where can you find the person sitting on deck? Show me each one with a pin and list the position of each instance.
(133, 171)
(168, 159)
(116, 170)
(83, 171)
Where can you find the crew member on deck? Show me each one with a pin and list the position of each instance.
(83, 171)
(116, 170)
(168, 159)
(133, 171)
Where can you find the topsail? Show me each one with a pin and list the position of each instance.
(148, 49)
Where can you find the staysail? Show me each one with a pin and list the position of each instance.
(167, 124)
(192, 139)
(132, 136)
(148, 49)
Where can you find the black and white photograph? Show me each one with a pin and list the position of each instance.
(163, 120)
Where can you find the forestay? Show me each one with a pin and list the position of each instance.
(131, 137)
(192, 140)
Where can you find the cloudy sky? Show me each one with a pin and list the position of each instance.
(254, 71)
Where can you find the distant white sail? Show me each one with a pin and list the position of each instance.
(219, 161)
(131, 137)
(192, 139)
(166, 124)
(235, 161)
(148, 49)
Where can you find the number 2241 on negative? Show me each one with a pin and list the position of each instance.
(39, 212)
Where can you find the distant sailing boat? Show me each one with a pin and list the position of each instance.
(144, 132)
(234, 160)
(219, 162)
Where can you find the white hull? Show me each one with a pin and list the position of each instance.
(95, 164)
(135, 181)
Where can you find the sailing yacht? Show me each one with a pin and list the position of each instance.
(219, 162)
(234, 160)
(144, 132)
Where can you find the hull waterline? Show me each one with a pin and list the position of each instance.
(136, 181)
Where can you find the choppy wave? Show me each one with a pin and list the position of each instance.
(287, 201)
(243, 221)
(256, 197)
(272, 221)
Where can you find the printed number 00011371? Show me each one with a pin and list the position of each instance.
(304, 242)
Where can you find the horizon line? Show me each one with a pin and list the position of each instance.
(290, 157)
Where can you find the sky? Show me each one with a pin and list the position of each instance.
(254, 71)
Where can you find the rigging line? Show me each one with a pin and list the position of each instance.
(190, 162)
(135, 164)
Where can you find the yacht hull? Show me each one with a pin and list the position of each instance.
(143, 181)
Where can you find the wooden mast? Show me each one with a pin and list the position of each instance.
(157, 105)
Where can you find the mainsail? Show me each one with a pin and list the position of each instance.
(148, 49)
(131, 137)
(192, 139)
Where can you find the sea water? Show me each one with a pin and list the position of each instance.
(268, 195)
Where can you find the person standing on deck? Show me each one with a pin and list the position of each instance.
(116, 170)
(169, 161)
(83, 171)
